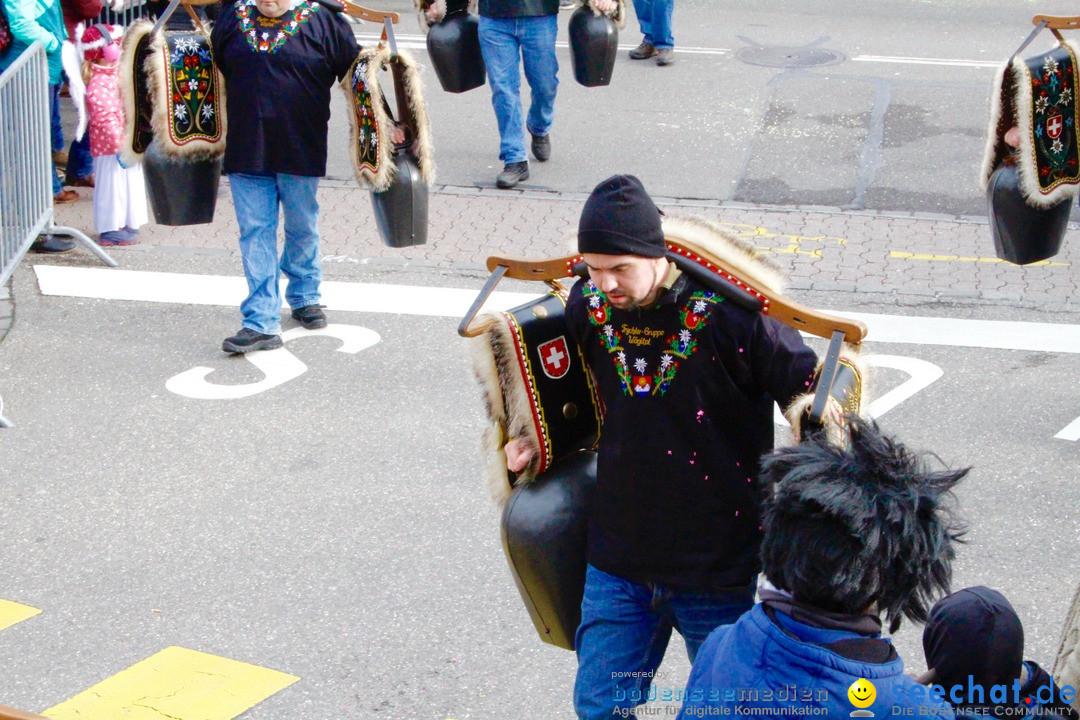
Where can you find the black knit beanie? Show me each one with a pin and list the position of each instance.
(974, 631)
(620, 218)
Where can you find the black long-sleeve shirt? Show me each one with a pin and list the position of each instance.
(278, 78)
(688, 386)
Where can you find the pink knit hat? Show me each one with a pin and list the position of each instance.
(100, 41)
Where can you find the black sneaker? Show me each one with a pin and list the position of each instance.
(541, 147)
(512, 174)
(310, 316)
(247, 340)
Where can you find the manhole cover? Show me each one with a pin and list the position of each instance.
(789, 57)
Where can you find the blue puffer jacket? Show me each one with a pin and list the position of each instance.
(755, 664)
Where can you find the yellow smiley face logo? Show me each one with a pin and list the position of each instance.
(862, 693)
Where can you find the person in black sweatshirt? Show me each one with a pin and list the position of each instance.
(688, 381)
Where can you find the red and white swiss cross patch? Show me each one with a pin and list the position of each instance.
(1054, 125)
(555, 357)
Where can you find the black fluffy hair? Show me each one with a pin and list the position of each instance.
(868, 524)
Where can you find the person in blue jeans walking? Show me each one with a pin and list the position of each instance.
(279, 59)
(688, 382)
(512, 31)
(654, 17)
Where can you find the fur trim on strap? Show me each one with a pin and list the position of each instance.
(414, 95)
(369, 123)
(370, 146)
(192, 128)
(708, 238)
(851, 399)
(1045, 164)
(618, 15)
(537, 389)
(433, 12)
(72, 62)
(506, 400)
(137, 134)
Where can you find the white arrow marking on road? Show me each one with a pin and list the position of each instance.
(1070, 431)
(279, 366)
(922, 374)
(112, 284)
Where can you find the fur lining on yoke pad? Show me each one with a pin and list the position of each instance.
(370, 146)
(1038, 96)
(135, 92)
(187, 95)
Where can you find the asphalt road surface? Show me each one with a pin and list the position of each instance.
(318, 513)
(895, 120)
(331, 523)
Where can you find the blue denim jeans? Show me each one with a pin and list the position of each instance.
(625, 628)
(654, 17)
(257, 200)
(56, 133)
(532, 39)
(80, 163)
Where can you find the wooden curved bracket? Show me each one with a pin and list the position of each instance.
(362, 13)
(787, 311)
(1056, 22)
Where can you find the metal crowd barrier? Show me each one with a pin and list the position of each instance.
(26, 190)
(132, 11)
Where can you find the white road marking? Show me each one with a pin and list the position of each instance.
(225, 290)
(893, 59)
(1070, 431)
(922, 374)
(138, 285)
(279, 366)
(419, 42)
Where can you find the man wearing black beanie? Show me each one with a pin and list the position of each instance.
(688, 383)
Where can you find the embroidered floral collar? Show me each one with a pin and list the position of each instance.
(258, 28)
(655, 377)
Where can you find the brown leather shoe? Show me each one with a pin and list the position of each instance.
(87, 181)
(645, 50)
(65, 196)
(665, 57)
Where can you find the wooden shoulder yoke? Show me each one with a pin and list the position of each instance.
(718, 275)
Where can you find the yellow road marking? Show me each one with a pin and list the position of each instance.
(750, 232)
(175, 683)
(13, 612)
(960, 258)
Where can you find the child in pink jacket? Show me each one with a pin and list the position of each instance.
(119, 192)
